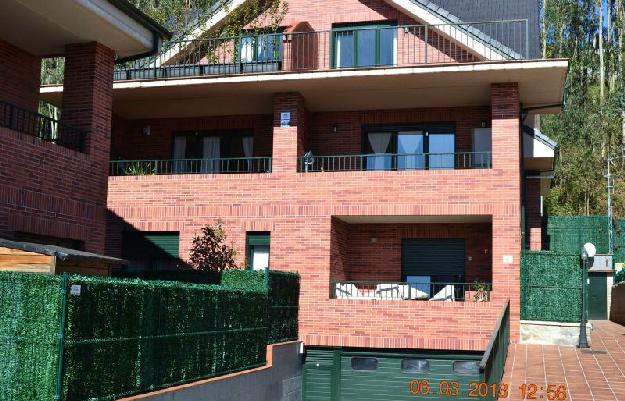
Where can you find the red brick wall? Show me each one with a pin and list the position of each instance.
(19, 77)
(617, 306)
(49, 190)
(298, 208)
(381, 260)
(316, 133)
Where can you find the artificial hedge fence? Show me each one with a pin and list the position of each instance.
(121, 337)
(283, 308)
(550, 287)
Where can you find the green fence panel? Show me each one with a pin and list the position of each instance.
(567, 234)
(30, 324)
(283, 293)
(125, 337)
(550, 287)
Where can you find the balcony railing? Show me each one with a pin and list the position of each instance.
(415, 291)
(242, 165)
(396, 162)
(42, 127)
(352, 47)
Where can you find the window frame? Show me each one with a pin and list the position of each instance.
(353, 358)
(256, 238)
(427, 128)
(225, 140)
(407, 371)
(376, 26)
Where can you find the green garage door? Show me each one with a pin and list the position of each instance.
(382, 376)
(442, 258)
(598, 296)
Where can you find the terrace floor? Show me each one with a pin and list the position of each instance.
(598, 375)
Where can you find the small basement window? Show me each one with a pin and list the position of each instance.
(415, 366)
(365, 364)
(466, 368)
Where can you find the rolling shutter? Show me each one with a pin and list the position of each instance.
(150, 245)
(321, 375)
(433, 257)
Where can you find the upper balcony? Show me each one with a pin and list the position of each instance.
(301, 49)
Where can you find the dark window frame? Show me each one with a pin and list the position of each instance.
(277, 34)
(225, 144)
(411, 371)
(354, 27)
(394, 129)
(370, 358)
(253, 238)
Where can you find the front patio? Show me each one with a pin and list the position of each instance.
(403, 260)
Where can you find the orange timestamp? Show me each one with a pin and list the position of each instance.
(480, 390)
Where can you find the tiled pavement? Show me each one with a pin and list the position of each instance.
(598, 375)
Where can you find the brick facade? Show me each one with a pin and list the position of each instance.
(533, 218)
(48, 190)
(19, 77)
(298, 210)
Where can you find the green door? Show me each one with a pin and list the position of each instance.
(341, 375)
(598, 296)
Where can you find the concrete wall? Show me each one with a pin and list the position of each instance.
(279, 380)
(617, 304)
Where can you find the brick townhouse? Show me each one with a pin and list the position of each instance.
(54, 171)
(384, 149)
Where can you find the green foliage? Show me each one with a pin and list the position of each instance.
(30, 307)
(122, 337)
(183, 275)
(255, 15)
(619, 277)
(245, 279)
(590, 129)
(210, 252)
(550, 287)
(139, 168)
(567, 234)
(283, 299)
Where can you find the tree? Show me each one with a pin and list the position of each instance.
(210, 252)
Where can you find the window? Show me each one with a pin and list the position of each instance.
(415, 366)
(417, 147)
(151, 250)
(364, 46)
(364, 364)
(257, 250)
(261, 48)
(200, 151)
(466, 368)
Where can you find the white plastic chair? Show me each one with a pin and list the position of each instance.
(446, 294)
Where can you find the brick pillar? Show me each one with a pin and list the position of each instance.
(87, 104)
(289, 143)
(506, 140)
(533, 219)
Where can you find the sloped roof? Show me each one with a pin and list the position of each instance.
(539, 136)
(62, 253)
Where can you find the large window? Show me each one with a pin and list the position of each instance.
(417, 147)
(201, 151)
(364, 45)
(151, 250)
(257, 252)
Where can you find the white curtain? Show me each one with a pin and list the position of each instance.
(248, 150)
(211, 153)
(247, 49)
(179, 154)
(379, 143)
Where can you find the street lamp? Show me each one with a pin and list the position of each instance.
(588, 252)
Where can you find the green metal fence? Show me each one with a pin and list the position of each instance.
(494, 359)
(550, 287)
(79, 338)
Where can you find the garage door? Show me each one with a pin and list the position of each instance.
(372, 376)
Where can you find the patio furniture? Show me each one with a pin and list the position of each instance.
(445, 294)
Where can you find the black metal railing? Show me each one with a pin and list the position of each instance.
(396, 162)
(42, 127)
(423, 291)
(242, 165)
(402, 45)
(494, 359)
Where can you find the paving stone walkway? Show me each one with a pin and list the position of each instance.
(598, 375)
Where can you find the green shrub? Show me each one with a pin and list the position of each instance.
(246, 279)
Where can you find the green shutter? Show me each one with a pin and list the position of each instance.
(319, 374)
(150, 245)
(258, 239)
(433, 257)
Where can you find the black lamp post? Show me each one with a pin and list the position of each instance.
(588, 251)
